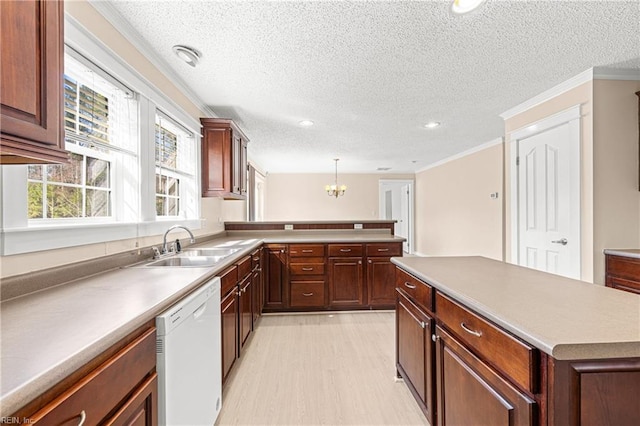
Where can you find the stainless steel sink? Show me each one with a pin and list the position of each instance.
(211, 251)
(188, 261)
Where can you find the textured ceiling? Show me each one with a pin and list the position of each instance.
(370, 74)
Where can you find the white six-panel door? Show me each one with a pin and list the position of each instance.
(548, 206)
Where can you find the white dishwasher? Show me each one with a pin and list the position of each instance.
(188, 359)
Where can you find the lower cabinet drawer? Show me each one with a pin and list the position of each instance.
(106, 388)
(307, 294)
(504, 352)
(416, 290)
(306, 268)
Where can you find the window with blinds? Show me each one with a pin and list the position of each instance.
(100, 123)
(175, 158)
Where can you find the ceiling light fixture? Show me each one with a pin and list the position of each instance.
(335, 190)
(460, 7)
(187, 54)
(432, 124)
(305, 123)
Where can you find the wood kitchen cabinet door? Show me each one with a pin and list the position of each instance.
(414, 352)
(246, 311)
(31, 77)
(229, 331)
(224, 159)
(346, 283)
(470, 392)
(381, 282)
(275, 276)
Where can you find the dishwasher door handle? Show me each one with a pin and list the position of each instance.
(198, 312)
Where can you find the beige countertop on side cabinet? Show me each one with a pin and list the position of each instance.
(48, 334)
(634, 253)
(568, 319)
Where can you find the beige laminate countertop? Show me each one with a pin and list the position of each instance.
(634, 253)
(48, 334)
(566, 318)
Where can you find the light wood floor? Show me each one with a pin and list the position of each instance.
(320, 369)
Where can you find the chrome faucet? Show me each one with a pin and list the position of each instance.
(164, 239)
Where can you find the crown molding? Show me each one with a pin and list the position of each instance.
(604, 73)
(111, 14)
(597, 73)
(563, 87)
(473, 150)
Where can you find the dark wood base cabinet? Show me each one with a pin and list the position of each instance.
(334, 276)
(414, 353)
(483, 375)
(229, 331)
(597, 392)
(469, 392)
(623, 273)
(122, 390)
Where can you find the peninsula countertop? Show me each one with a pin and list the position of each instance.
(565, 318)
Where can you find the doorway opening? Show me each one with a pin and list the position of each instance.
(396, 198)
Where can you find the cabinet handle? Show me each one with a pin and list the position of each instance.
(83, 417)
(383, 249)
(359, 262)
(307, 294)
(307, 269)
(255, 259)
(411, 286)
(307, 251)
(370, 261)
(282, 251)
(470, 331)
(345, 250)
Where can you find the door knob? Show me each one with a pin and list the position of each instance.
(563, 241)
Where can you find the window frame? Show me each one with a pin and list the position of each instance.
(17, 235)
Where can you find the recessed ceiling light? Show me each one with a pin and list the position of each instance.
(432, 124)
(188, 54)
(460, 7)
(305, 123)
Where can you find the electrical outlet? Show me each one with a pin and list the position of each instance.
(288, 227)
(357, 226)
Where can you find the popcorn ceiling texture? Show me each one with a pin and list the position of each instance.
(370, 74)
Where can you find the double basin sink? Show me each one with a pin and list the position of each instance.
(202, 257)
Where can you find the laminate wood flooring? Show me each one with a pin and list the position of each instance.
(319, 369)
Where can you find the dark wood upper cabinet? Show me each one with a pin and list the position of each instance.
(31, 77)
(224, 159)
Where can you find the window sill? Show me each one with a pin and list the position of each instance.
(43, 237)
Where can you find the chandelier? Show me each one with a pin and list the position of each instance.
(335, 190)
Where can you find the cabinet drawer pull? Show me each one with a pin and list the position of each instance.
(307, 269)
(345, 250)
(307, 251)
(83, 417)
(383, 249)
(470, 331)
(411, 286)
(255, 259)
(307, 294)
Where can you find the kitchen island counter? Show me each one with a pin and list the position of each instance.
(565, 318)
